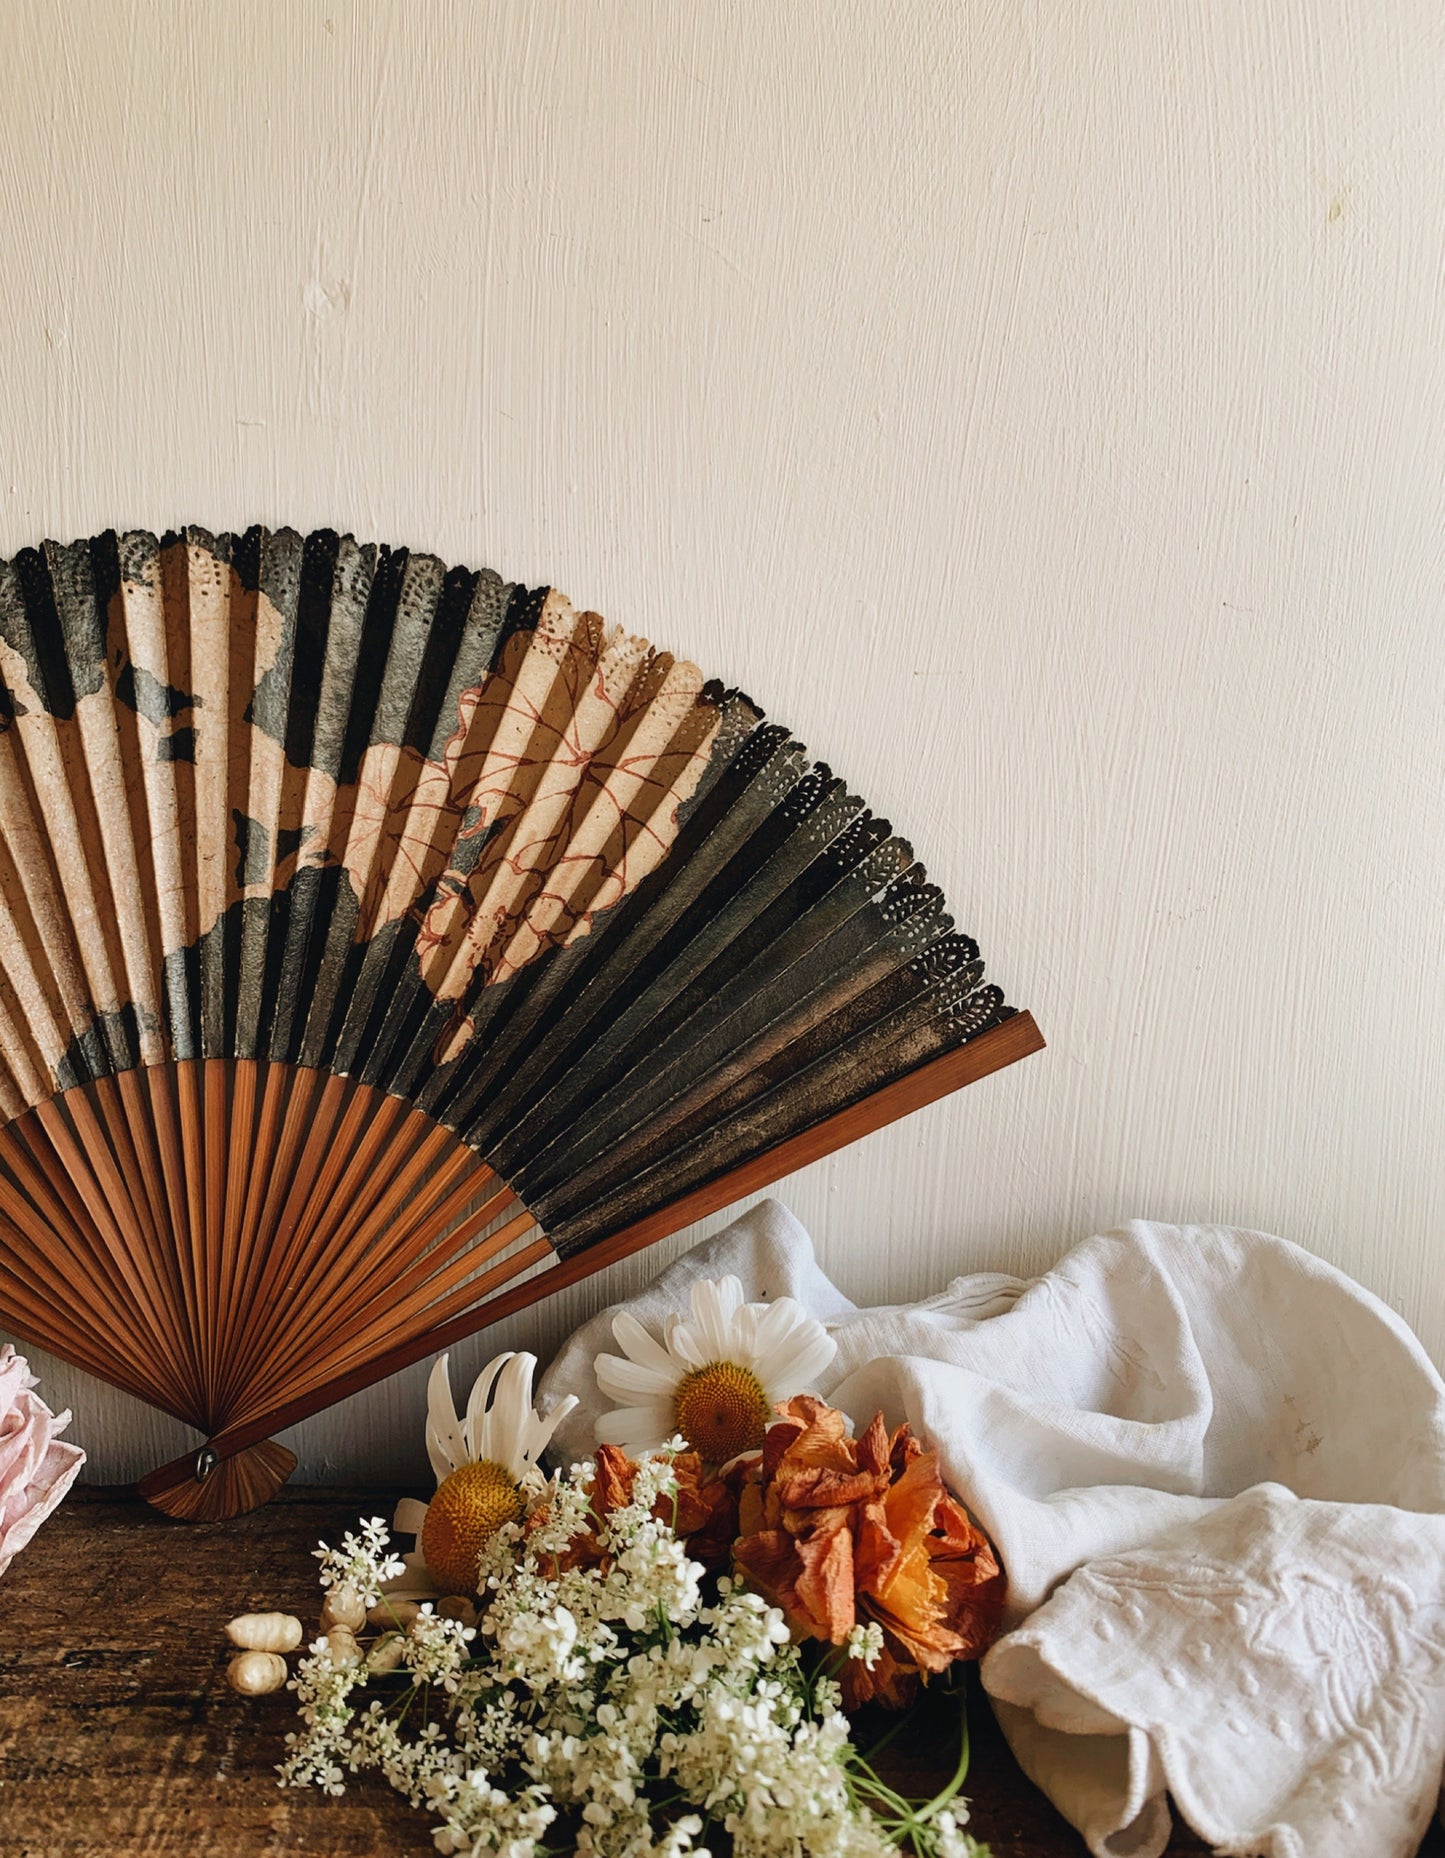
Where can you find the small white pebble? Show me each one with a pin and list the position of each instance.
(256, 1674)
(393, 1613)
(265, 1632)
(343, 1608)
(385, 1655)
(457, 1606)
(342, 1648)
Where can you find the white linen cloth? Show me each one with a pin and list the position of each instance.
(1214, 1468)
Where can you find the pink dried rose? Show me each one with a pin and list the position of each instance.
(36, 1469)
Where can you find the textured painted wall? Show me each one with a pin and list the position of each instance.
(1038, 406)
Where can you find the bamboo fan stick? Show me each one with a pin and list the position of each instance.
(349, 1148)
(75, 1342)
(39, 1260)
(156, 805)
(238, 1173)
(320, 1136)
(214, 1107)
(56, 1243)
(27, 1080)
(252, 1250)
(1015, 1038)
(414, 1251)
(353, 1156)
(306, 1138)
(262, 780)
(313, 1389)
(188, 1106)
(276, 1321)
(348, 1285)
(382, 1238)
(30, 886)
(43, 1177)
(420, 1312)
(89, 1313)
(153, 1249)
(415, 1292)
(297, 1092)
(208, 586)
(97, 779)
(362, 1230)
(339, 1204)
(134, 1106)
(162, 1091)
(102, 1197)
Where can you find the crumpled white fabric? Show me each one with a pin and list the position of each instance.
(1214, 1467)
(36, 1466)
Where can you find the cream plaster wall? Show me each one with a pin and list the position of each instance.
(1039, 406)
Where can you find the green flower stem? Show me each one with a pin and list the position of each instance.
(960, 1773)
(901, 1820)
(903, 1718)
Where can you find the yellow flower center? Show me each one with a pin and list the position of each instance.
(469, 1505)
(721, 1410)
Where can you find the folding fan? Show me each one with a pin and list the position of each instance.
(375, 936)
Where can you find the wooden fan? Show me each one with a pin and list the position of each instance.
(375, 936)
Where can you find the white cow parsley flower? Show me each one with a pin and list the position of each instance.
(610, 1699)
(715, 1377)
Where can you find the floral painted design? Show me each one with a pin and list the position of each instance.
(185, 736)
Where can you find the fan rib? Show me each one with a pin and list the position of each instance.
(161, 1284)
(294, 1266)
(267, 808)
(645, 940)
(244, 1312)
(92, 1172)
(305, 1138)
(89, 1308)
(411, 1342)
(193, 1178)
(528, 1014)
(321, 741)
(347, 1271)
(21, 1077)
(357, 1315)
(432, 830)
(240, 1149)
(415, 606)
(105, 1294)
(357, 1266)
(157, 696)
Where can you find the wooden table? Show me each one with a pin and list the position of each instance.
(119, 1737)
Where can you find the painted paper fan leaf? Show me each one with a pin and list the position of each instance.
(384, 945)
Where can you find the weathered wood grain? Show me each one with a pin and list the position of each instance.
(118, 1734)
(120, 1739)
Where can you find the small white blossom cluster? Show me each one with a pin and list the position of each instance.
(623, 1707)
(363, 1562)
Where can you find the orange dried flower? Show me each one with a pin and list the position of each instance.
(703, 1513)
(839, 1532)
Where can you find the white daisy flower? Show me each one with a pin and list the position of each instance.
(714, 1378)
(480, 1461)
